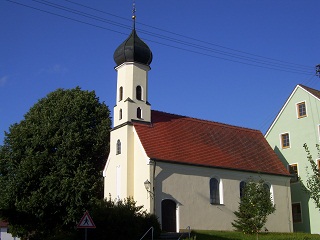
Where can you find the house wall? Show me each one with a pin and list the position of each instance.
(301, 130)
(4, 235)
(188, 186)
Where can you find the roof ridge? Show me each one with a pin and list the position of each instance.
(312, 91)
(209, 121)
(308, 88)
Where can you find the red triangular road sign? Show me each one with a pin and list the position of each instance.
(86, 221)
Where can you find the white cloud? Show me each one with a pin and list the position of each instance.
(3, 80)
(58, 69)
(54, 69)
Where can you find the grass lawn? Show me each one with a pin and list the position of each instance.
(219, 235)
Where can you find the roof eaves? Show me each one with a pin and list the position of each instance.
(121, 125)
(210, 166)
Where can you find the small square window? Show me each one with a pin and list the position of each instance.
(296, 213)
(285, 141)
(301, 109)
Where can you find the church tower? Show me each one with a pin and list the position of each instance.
(133, 58)
(122, 174)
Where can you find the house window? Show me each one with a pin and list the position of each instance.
(139, 92)
(120, 93)
(139, 114)
(214, 191)
(242, 186)
(296, 213)
(118, 147)
(285, 141)
(301, 110)
(293, 169)
(120, 114)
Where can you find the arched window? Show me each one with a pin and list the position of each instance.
(242, 186)
(139, 113)
(120, 93)
(120, 114)
(139, 92)
(118, 146)
(269, 189)
(214, 191)
(266, 186)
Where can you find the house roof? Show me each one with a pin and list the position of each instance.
(3, 224)
(184, 140)
(312, 91)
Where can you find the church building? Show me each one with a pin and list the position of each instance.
(187, 171)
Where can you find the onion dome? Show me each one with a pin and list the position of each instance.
(133, 49)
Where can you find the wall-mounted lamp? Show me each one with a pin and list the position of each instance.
(147, 185)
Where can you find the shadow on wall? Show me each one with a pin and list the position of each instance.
(298, 195)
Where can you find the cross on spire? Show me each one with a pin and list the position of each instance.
(134, 14)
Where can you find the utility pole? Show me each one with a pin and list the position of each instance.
(318, 70)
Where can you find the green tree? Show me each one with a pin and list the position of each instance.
(313, 178)
(51, 163)
(254, 207)
(121, 220)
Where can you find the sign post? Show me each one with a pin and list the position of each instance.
(86, 222)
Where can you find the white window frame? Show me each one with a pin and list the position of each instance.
(271, 191)
(220, 187)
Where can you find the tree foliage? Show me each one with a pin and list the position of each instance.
(51, 163)
(119, 219)
(313, 178)
(122, 220)
(254, 207)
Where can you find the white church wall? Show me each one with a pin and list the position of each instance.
(130, 75)
(116, 171)
(142, 172)
(125, 173)
(188, 186)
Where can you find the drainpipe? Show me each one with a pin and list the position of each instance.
(153, 185)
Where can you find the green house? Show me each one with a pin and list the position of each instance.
(298, 122)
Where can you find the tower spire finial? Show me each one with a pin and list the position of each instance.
(134, 14)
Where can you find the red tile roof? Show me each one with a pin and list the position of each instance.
(315, 92)
(3, 224)
(185, 140)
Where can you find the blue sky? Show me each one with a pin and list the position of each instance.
(212, 59)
